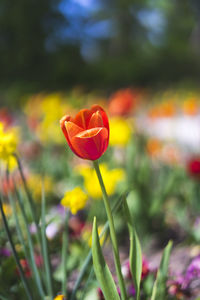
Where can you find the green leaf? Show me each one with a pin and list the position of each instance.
(36, 274)
(45, 252)
(135, 252)
(88, 259)
(159, 288)
(101, 269)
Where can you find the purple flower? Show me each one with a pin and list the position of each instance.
(193, 271)
(5, 252)
(131, 291)
(100, 294)
(178, 286)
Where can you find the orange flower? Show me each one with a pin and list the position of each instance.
(122, 102)
(166, 109)
(190, 107)
(153, 147)
(88, 133)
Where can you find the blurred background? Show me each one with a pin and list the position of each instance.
(138, 59)
(59, 44)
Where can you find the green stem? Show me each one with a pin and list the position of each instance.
(64, 254)
(30, 245)
(16, 216)
(29, 196)
(112, 232)
(30, 200)
(81, 274)
(47, 264)
(26, 287)
(89, 256)
(88, 282)
(18, 228)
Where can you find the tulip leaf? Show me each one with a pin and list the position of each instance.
(135, 252)
(159, 288)
(101, 269)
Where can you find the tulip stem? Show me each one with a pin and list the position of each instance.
(112, 232)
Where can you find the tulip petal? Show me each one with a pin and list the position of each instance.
(91, 144)
(96, 120)
(62, 125)
(63, 121)
(82, 118)
(72, 129)
(103, 115)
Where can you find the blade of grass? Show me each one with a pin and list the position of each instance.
(24, 281)
(159, 287)
(47, 265)
(101, 269)
(32, 204)
(135, 252)
(91, 274)
(18, 227)
(14, 209)
(64, 253)
(30, 245)
(30, 199)
(87, 283)
(81, 274)
(89, 256)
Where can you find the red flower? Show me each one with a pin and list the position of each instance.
(194, 167)
(88, 133)
(25, 267)
(122, 102)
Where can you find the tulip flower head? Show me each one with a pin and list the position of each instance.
(88, 133)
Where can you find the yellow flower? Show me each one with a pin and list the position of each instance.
(8, 145)
(7, 209)
(120, 132)
(59, 297)
(87, 235)
(52, 109)
(110, 177)
(52, 106)
(75, 200)
(35, 185)
(46, 110)
(49, 131)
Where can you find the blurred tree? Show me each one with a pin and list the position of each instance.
(177, 56)
(29, 40)
(151, 42)
(56, 43)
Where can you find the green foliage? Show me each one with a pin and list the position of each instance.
(159, 288)
(101, 269)
(135, 253)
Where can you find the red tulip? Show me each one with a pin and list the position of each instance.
(88, 133)
(194, 167)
